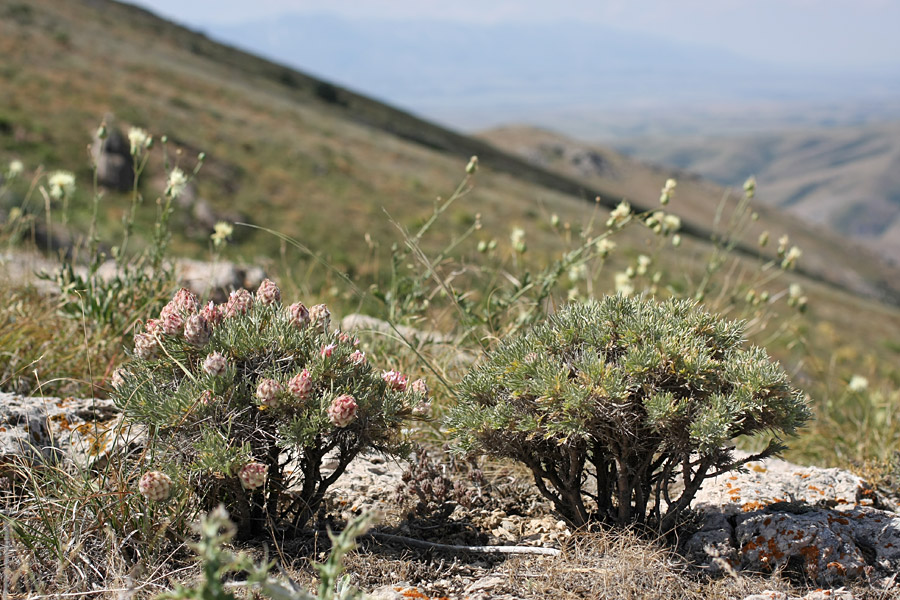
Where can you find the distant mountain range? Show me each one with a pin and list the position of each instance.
(475, 75)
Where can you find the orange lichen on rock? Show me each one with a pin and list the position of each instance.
(62, 421)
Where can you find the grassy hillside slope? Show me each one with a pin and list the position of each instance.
(697, 203)
(304, 146)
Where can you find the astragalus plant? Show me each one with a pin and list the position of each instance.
(245, 401)
(612, 402)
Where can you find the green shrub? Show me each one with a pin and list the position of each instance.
(631, 393)
(244, 401)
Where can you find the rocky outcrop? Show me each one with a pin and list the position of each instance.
(826, 524)
(55, 430)
(211, 280)
(438, 342)
(115, 167)
(214, 280)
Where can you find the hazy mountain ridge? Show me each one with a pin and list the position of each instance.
(696, 200)
(846, 178)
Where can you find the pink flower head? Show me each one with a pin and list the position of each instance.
(185, 301)
(320, 316)
(299, 315)
(152, 326)
(327, 351)
(342, 410)
(252, 475)
(396, 380)
(170, 319)
(420, 387)
(215, 364)
(155, 485)
(300, 385)
(358, 357)
(268, 292)
(267, 392)
(206, 397)
(144, 346)
(212, 314)
(197, 330)
(346, 339)
(239, 302)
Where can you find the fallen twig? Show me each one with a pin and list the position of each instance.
(387, 537)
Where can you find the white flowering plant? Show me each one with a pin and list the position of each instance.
(246, 399)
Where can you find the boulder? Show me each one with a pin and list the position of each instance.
(52, 431)
(825, 524)
(213, 280)
(358, 322)
(115, 167)
(419, 338)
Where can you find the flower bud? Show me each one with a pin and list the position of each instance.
(252, 475)
(395, 380)
(212, 314)
(299, 315)
(300, 385)
(239, 302)
(186, 301)
(268, 292)
(144, 346)
(155, 486)
(117, 380)
(215, 364)
(267, 392)
(320, 316)
(196, 330)
(342, 410)
(170, 320)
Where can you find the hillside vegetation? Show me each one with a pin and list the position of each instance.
(351, 206)
(342, 175)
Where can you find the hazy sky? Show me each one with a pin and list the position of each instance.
(846, 34)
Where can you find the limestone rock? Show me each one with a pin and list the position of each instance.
(825, 522)
(115, 167)
(209, 280)
(48, 430)
(358, 322)
(213, 280)
(417, 337)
